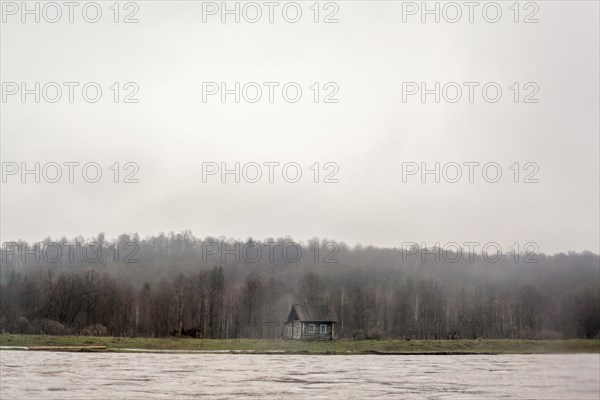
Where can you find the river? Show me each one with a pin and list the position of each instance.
(52, 375)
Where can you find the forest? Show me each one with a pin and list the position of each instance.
(178, 284)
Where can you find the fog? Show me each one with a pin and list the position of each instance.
(360, 124)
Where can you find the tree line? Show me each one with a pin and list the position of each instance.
(178, 284)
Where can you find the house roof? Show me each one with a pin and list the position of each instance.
(312, 313)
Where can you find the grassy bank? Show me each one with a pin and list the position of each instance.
(343, 346)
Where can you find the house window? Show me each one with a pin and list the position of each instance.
(311, 328)
(323, 328)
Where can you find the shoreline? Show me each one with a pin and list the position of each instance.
(265, 352)
(10, 342)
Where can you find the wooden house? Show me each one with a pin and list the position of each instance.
(310, 322)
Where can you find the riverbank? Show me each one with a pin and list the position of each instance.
(342, 346)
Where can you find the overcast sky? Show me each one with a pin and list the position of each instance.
(369, 133)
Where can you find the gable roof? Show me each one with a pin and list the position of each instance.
(312, 313)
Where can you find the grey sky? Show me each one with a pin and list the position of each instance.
(369, 133)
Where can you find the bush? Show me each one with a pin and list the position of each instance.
(94, 330)
(375, 334)
(50, 327)
(23, 325)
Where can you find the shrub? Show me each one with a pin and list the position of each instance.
(94, 330)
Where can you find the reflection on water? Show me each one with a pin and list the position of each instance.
(48, 375)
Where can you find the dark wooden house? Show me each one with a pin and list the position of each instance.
(310, 322)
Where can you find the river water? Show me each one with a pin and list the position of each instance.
(51, 375)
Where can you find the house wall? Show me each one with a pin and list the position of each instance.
(292, 330)
(300, 331)
(317, 335)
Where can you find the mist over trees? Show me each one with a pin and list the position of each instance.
(178, 284)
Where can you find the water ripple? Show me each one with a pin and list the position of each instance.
(48, 375)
